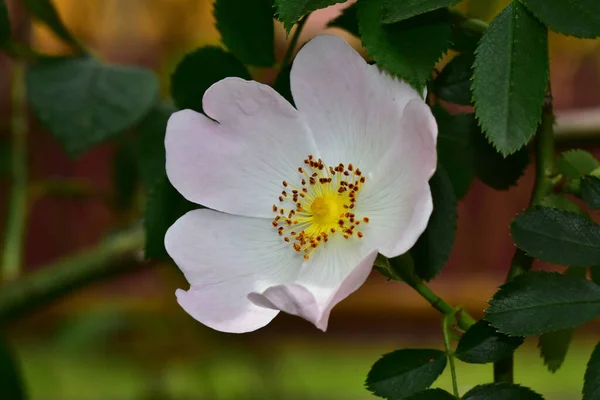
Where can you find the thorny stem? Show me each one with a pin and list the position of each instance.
(287, 58)
(113, 256)
(446, 326)
(544, 183)
(16, 216)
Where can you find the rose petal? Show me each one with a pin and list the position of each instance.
(332, 274)
(238, 163)
(225, 257)
(352, 108)
(396, 197)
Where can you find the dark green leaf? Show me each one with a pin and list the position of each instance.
(492, 168)
(557, 236)
(404, 373)
(590, 191)
(198, 70)
(433, 248)
(595, 274)
(454, 148)
(579, 18)
(575, 164)
(11, 383)
(164, 205)
(5, 156)
(151, 143)
(45, 11)
(83, 102)
(591, 386)
(483, 344)
(399, 10)
(432, 394)
(290, 11)
(5, 31)
(453, 84)
(282, 84)
(541, 302)
(554, 346)
(501, 391)
(347, 20)
(247, 30)
(510, 78)
(125, 176)
(409, 48)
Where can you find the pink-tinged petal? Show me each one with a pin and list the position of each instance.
(224, 258)
(352, 108)
(396, 197)
(236, 163)
(332, 274)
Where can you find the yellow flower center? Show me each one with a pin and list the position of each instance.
(322, 206)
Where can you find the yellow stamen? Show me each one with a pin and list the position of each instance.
(320, 207)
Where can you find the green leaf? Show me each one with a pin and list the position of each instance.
(454, 148)
(198, 70)
(464, 152)
(164, 205)
(541, 302)
(290, 11)
(347, 20)
(591, 386)
(483, 344)
(453, 84)
(409, 48)
(396, 11)
(45, 11)
(510, 78)
(433, 248)
(595, 274)
(11, 382)
(574, 164)
(150, 143)
(557, 236)
(247, 29)
(126, 176)
(554, 346)
(404, 373)
(492, 168)
(579, 18)
(282, 84)
(501, 391)
(5, 30)
(590, 191)
(432, 394)
(83, 102)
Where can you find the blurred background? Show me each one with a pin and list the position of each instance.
(125, 338)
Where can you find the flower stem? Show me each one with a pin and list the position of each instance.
(287, 58)
(16, 216)
(402, 269)
(544, 184)
(113, 256)
(447, 322)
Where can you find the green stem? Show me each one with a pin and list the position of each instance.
(16, 216)
(446, 325)
(287, 58)
(403, 270)
(473, 25)
(113, 256)
(544, 184)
